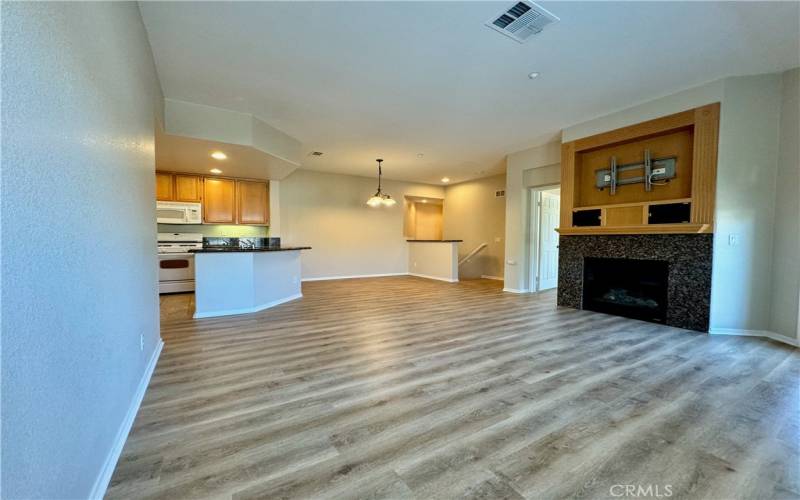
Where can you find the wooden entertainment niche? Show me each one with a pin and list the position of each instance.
(655, 177)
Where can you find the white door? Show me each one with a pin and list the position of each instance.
(548, 239)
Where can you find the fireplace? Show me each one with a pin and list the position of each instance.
(647, 266)
(626, 287)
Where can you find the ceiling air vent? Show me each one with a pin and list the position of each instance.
(521, 21)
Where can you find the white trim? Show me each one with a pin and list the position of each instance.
(487, 277)
(246, 310)
(354, 276)
(101, 483)
(754, 333)
(515, 290)
(433, 277)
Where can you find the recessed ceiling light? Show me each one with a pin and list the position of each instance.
(424, 201)
(215, 171)
(445, 179)
(533, 75)
(219, 155)
(420, 155)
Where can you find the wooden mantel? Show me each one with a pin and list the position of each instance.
(690, 136)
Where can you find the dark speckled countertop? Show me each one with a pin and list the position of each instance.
(240, 249)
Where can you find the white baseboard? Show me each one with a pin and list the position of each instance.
(354, 276)
(515, 290)
(487, 277)
(754, 333)
(101, 483)
(433, 277)
(246, 310)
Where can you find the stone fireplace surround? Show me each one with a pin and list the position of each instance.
(688, 256)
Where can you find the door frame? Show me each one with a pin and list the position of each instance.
(534, 230)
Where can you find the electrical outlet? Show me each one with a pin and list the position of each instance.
(607, 178)
(659, 171)
(512, 262)
(415, 263)
(141, 341)
(733, 240)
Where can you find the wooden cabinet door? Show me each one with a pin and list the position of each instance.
(188, 188)
(219, 197)
(165, 187)
(252, 202)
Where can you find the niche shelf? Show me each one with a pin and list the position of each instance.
(681, 203)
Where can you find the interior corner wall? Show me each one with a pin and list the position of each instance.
(785, 292)
(328, 212)
(745, 203)
(534, 167)
(473, 213)
(79, 284)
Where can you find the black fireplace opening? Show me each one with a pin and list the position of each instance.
(626, 287)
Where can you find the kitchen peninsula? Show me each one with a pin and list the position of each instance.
(244, 275)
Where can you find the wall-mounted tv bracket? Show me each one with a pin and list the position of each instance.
(660, 169)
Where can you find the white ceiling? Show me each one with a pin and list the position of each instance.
(360, 80)
(177, 153)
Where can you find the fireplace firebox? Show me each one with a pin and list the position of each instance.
(626, 287)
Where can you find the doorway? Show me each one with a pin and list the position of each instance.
(423, 218)
(545, 213)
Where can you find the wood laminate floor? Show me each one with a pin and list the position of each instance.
(410, 388)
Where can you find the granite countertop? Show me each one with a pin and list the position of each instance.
(241, 249)
(435, 241)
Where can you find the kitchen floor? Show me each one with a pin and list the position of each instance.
(404, 387)
(176, 306)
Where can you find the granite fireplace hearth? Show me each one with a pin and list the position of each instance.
(663, 278)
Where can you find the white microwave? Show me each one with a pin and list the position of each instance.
(175, 212)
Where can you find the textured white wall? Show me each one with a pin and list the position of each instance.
(786, 243)
(79, 277)
(745, 204)
(329, 213)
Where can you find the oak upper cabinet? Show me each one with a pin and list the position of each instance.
(188, 188)
(219, 201)
(252, 202)
(165, 187)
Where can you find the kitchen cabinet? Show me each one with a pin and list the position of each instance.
(165, 187)
(219, 200)
(178, 187)
(188, 188)
(252, 202)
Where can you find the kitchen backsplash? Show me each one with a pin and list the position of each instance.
(216, 230)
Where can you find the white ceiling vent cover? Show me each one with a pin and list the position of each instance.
(521, 21)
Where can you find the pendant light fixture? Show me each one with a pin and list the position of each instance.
(379, 198)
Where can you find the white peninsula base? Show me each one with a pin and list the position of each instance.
(240, 282)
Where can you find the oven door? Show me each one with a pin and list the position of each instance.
(176, 269)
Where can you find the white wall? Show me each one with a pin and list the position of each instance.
(79, 276)
(745, 203)
(785, 291)
(329, 213)
(743, 282)
(433, 260)
(539, 166)
(474, 214)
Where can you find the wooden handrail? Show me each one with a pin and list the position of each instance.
(473, 253)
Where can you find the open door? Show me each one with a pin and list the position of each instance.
(548, 239)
